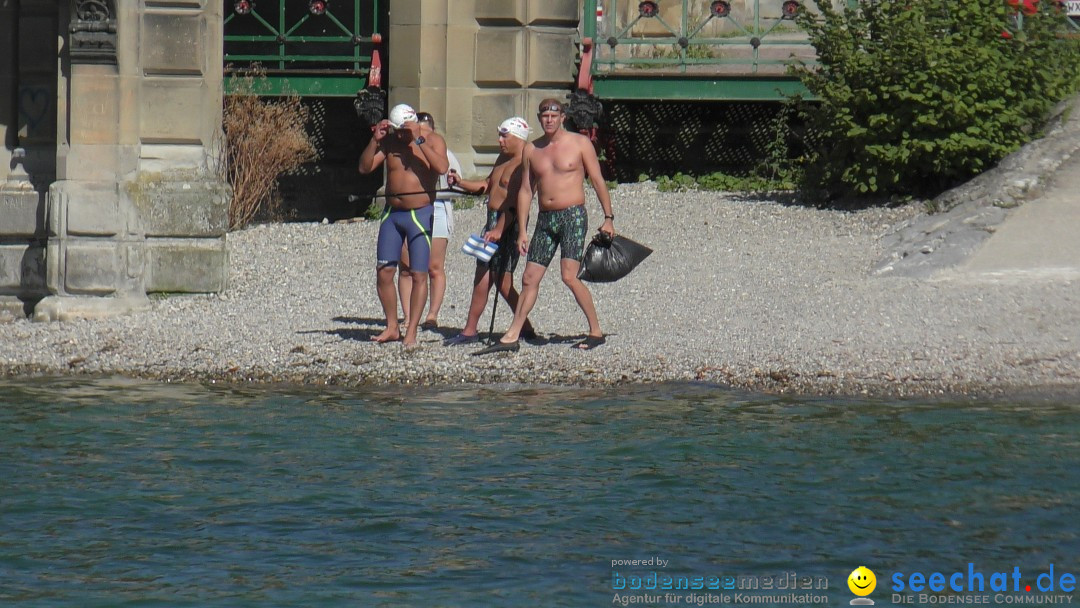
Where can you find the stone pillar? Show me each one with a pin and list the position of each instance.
(137, 206)
(181, 200)
(473, 63)
(95, 253)
(9, 65)
(22, 251)
(28, 125)
(10, 257)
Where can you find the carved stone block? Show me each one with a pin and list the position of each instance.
(508, 13)
(500, 55)
(405, 12)
(22, 212)
(92, 268)
(179, 205)
(551, 58)
(93, 32)
(95, 118)
(172, 110)
(94, 212)
(188, 265)
(488, 112)
(173, 43)
(22, 270)
(561, 12)
(405, 49)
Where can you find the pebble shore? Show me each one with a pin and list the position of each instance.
(744, 292)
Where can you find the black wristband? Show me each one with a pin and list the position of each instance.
(609, 217)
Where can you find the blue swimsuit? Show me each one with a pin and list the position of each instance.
(412, 226)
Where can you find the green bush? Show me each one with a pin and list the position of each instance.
(919, 95)
(720, 182)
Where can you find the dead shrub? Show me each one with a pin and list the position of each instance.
(265, 137)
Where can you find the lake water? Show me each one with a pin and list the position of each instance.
(129, 493)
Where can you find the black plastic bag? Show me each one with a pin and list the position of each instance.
(609, 259)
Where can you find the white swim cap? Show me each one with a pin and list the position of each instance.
(515, 126)
(401, 114)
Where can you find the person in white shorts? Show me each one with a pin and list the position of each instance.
(442, 229)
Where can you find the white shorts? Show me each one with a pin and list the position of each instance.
(442, 225)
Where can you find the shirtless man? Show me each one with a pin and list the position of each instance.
(555, 166)
(500, 227)
(441, 228)
(414, 163)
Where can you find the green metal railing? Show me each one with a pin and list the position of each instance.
(681, 61)
(305, 53)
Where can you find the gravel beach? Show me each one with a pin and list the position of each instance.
(743, 292)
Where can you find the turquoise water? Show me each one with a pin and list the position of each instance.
(128, 493)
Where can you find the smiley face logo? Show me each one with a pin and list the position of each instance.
(862, 581)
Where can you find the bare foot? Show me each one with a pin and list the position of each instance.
(388, 335)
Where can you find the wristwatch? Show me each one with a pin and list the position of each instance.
(419, 140)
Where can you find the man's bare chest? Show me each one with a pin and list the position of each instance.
(556, 159)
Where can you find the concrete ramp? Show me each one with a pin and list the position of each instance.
(1038, 240)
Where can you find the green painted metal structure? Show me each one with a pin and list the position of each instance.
(680, 62)
(302, 50)
(668, 88)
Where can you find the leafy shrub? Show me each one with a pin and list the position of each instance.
(919, 95)
(265, 137)
(467, 202)
(375, 210)
(721, 182)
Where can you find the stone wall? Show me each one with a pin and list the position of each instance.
(181, 202)
(28, 107)
(474, 63)
(116, 194)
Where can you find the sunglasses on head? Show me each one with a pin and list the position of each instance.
(550, 108)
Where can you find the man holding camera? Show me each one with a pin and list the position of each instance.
(414, 161)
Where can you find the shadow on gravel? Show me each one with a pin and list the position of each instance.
(365, 334)
(445, 332)
(571, 340)
(359, 320)
(360, 335)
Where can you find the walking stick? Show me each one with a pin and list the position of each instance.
(495, 304)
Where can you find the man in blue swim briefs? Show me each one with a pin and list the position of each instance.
(414, 162)
(554, 167)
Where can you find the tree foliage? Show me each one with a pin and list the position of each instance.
(918, 95)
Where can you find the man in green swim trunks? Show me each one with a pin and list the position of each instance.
(554, 167)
